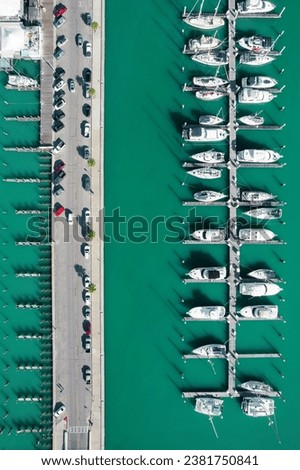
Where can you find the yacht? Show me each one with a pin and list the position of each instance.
(252, 120)
(256, 386)
(204, 43)
(255, 6)
(256, 43)
(263, 274)
(267, 312)
(211, 313)
(259, 289)
(259, 81)
(204, 22)
(258, 156)
(209, 82)
(210, 95)
(206, 173)
(258, 407)
(203, 134)
(256, 234)
(21, 81)
(256, 196)
(211, 350)
(210, 120)
(208, 196)
(209, 157)
(251, 58)
(265, 213)
(212, 58)
(209, 406)
(210, 235)
(208, 274)
(254, 96)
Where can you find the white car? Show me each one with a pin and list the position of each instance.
(60, 103)
(86, 281)
(59, 145)
(88, 49)
(86, 129)
(87, 215)
(61, 41)
(86, 251)
(70, 218)
(59, 411)
(87, 297)
(59, 85)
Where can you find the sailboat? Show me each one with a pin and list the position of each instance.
(252, 120)
(206, 173)
(210, 156)
(212, 58)
(204, 21)
(203, 43)
(256, 196)
(210, 120)
(209, 82)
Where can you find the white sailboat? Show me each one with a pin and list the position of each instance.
(209, 120)
(206, 173)
(202, 21)
(259, 81)
(263, 274)
(209, 313)
(203, 134)
(255, 6)
(256, 43)
(210, 156)
(209, 82)
(211, 350)
(254, 96)
(208, 274)
(209, 235)
(209, 406)
(203, 43)
(21, 81)
(214, 59)
(256, 234)
(252, 120)
(256, 386)
(258, 407)
(259, 289)
(258, 156)
(208, 196)
(251, 58)
(265, 213)
(210, 95)
(266, 312)
(256, 196)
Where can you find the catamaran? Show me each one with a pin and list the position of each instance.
(259, 81)
(256, 196)
(254, 96)
(256, 234)
(212, 58)
(211, 350)
(210, 235)
(210, 313)
(265, 213)
(259, 289)
(209, 157)
(206, 173)
(266, 312)
(209, 82)
(255, 6)
(258, 156)
(258, 407)
(203, 134)
(256, 386)
(209, 406)
(208, 196)
(202, 21)
(208, 274)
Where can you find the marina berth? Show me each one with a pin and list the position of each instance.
(265, 213)
(209, 82)
(203, 134)
(203, 43)
(256, 234)
(256, 387)
(258, 156)
(209, 157)
(256, 43)
(255, 6)
(258, 407)
(206, 173)
(209, 274)
(210, 95)
(211, 350)
(209, 406)
(214, 59)
(252, 95)
(258, 81)
(211, 235)
(265, 312)
(208, 196)
(209, 313)
(253, 59)
(259, 289)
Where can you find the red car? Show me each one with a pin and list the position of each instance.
(60, 10)
(60, 166)
(59, 210)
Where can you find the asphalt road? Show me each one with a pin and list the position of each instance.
(69, 262)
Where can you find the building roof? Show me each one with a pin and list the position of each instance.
(11, 8)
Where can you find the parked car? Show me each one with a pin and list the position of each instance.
(87, 75)
(86, 109)
(59, 145)
(86, 129)
(78, 39)
(59, 21)
(58, 190)
(59, 176)
(59, 71)
(88, 19)
(88, 49)
(86, 182)
(72, 85)
(87, 312)
(59, 94)
(87, 344)
(58, 53)
(60, 9)
(87, 215)
(59, 114)
(61, 41)
(59, 103)
(70, 218)
(87, 375)
(86, 281)
(87, 297)
(59, 84)
(58, 411)
(86, 152)
(86, 251)
(86, 90)
(58, 126)
(59, 165)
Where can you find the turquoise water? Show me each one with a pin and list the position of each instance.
(23, 425)
(143, 288)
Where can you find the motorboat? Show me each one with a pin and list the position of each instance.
(254, 96)
(209, 406)
(203, 43)
(211, 350)
(206, 173)
(259, 289)
(256, 387)
(210, 235)
(259, 81)
(208, 274)
(251, 58)
(209, 157)
(263, 274)
(258, 156)
(258, 407)
(256, 234)
(255, 6)
(210, 120)
(203, 134)
(256, 196)
(211, 313)
(266, 312)
(265, 213)
(209, 82)
(210, 95)
(208, 196)
(256, 43)
(21, 81)
(212, 58)
(252, 120)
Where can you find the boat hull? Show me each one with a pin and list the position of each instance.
(210, 313)
(209, 235)
(206, 173)
(259, 289)
(248, 234)
(210, 95)
(209, 157)
(267, 312)
(209, 82)
(266, 213)
(208, 196)
(204, 22)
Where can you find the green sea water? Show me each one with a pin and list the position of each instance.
(145, 108)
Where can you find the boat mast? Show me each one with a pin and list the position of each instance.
(217, 7)
(213, 426)
(279, 36)
(201, 7)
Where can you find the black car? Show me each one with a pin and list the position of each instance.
(58, 126)
(59, 114)
(58, 190)
(59, 176)
(86, 152)
(87, 75)
(86, 182)
(88, 19)
(86, 110)
(59, 72)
